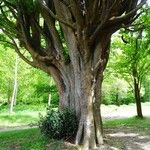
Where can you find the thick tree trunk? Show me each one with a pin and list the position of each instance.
(85, 100)
(79, 86)
(80, 90)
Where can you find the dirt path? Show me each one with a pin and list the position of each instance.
(127, 139)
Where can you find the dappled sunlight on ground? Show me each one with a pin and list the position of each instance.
(122, 134)
(126, 139)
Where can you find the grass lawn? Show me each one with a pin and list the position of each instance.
(127, 133)
(31, 139)
(135, 122)
(22, 115)
(28, 139)
(29, 114)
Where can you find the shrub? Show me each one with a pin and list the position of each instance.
(61, 124)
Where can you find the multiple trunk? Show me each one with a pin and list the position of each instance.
(80, 95)
(79, 85)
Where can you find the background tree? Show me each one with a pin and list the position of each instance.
(6, 74)
(15, 87)
(70, 40)
(28, 78)
(147, 88)
(131, 60)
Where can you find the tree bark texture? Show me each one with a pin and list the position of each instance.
(79, 85)
(70, 40)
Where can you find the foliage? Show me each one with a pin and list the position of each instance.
(130, 53)
(116, 91)
(146, 84)
(61, 124)
(38, 83)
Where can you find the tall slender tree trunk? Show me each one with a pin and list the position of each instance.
(49, 99)
(137, 93)
(137, 99)
(9, 91)
(14, 94)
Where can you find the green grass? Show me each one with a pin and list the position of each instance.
(17, 120)
(28, 139)
(32, 139)
(128, 122)
(22, 115)
(29, 114)
(36, 107)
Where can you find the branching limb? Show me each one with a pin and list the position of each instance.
(43, 4)
(128, 15)
(105, 12)
(16, 48)
(21, 55)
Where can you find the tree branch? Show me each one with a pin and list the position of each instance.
(128, 15)
(104, 16)
(21, 55)
(43, 4)
(16, 48)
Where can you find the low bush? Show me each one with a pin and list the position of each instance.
(60, 124)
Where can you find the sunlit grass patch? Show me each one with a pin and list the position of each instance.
(7, 120)
(129, 122)
(22, 115)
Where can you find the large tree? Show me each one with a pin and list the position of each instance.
(70, 40)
